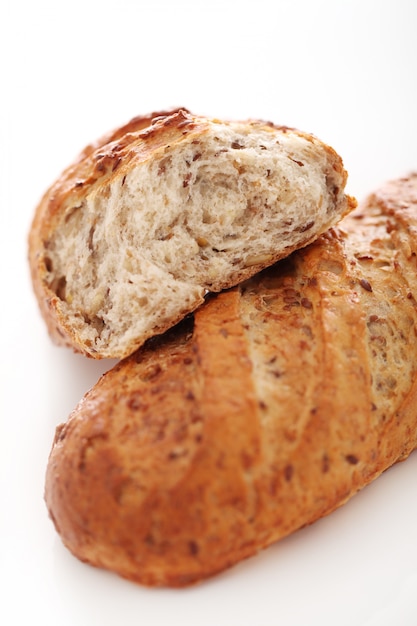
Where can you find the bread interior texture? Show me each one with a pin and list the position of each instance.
(146, 247)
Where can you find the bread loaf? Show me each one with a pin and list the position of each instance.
(150, 218)
(265, 410)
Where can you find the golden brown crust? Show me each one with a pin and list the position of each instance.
(99, 164)
(268, 409)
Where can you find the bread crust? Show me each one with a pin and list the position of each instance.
(266, 410)
(104, 165)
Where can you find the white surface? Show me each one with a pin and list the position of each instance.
(345, 71)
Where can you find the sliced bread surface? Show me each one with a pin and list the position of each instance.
(167, 208)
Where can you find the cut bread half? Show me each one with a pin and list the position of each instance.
(167, 208)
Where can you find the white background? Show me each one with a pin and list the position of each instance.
(345, 71)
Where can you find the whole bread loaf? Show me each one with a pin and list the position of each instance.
(265, 410)
(133, 235)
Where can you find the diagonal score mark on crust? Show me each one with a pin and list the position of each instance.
(298, 401)
(231, 408)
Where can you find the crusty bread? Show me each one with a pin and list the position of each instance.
(150, 218)
(270, 407)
